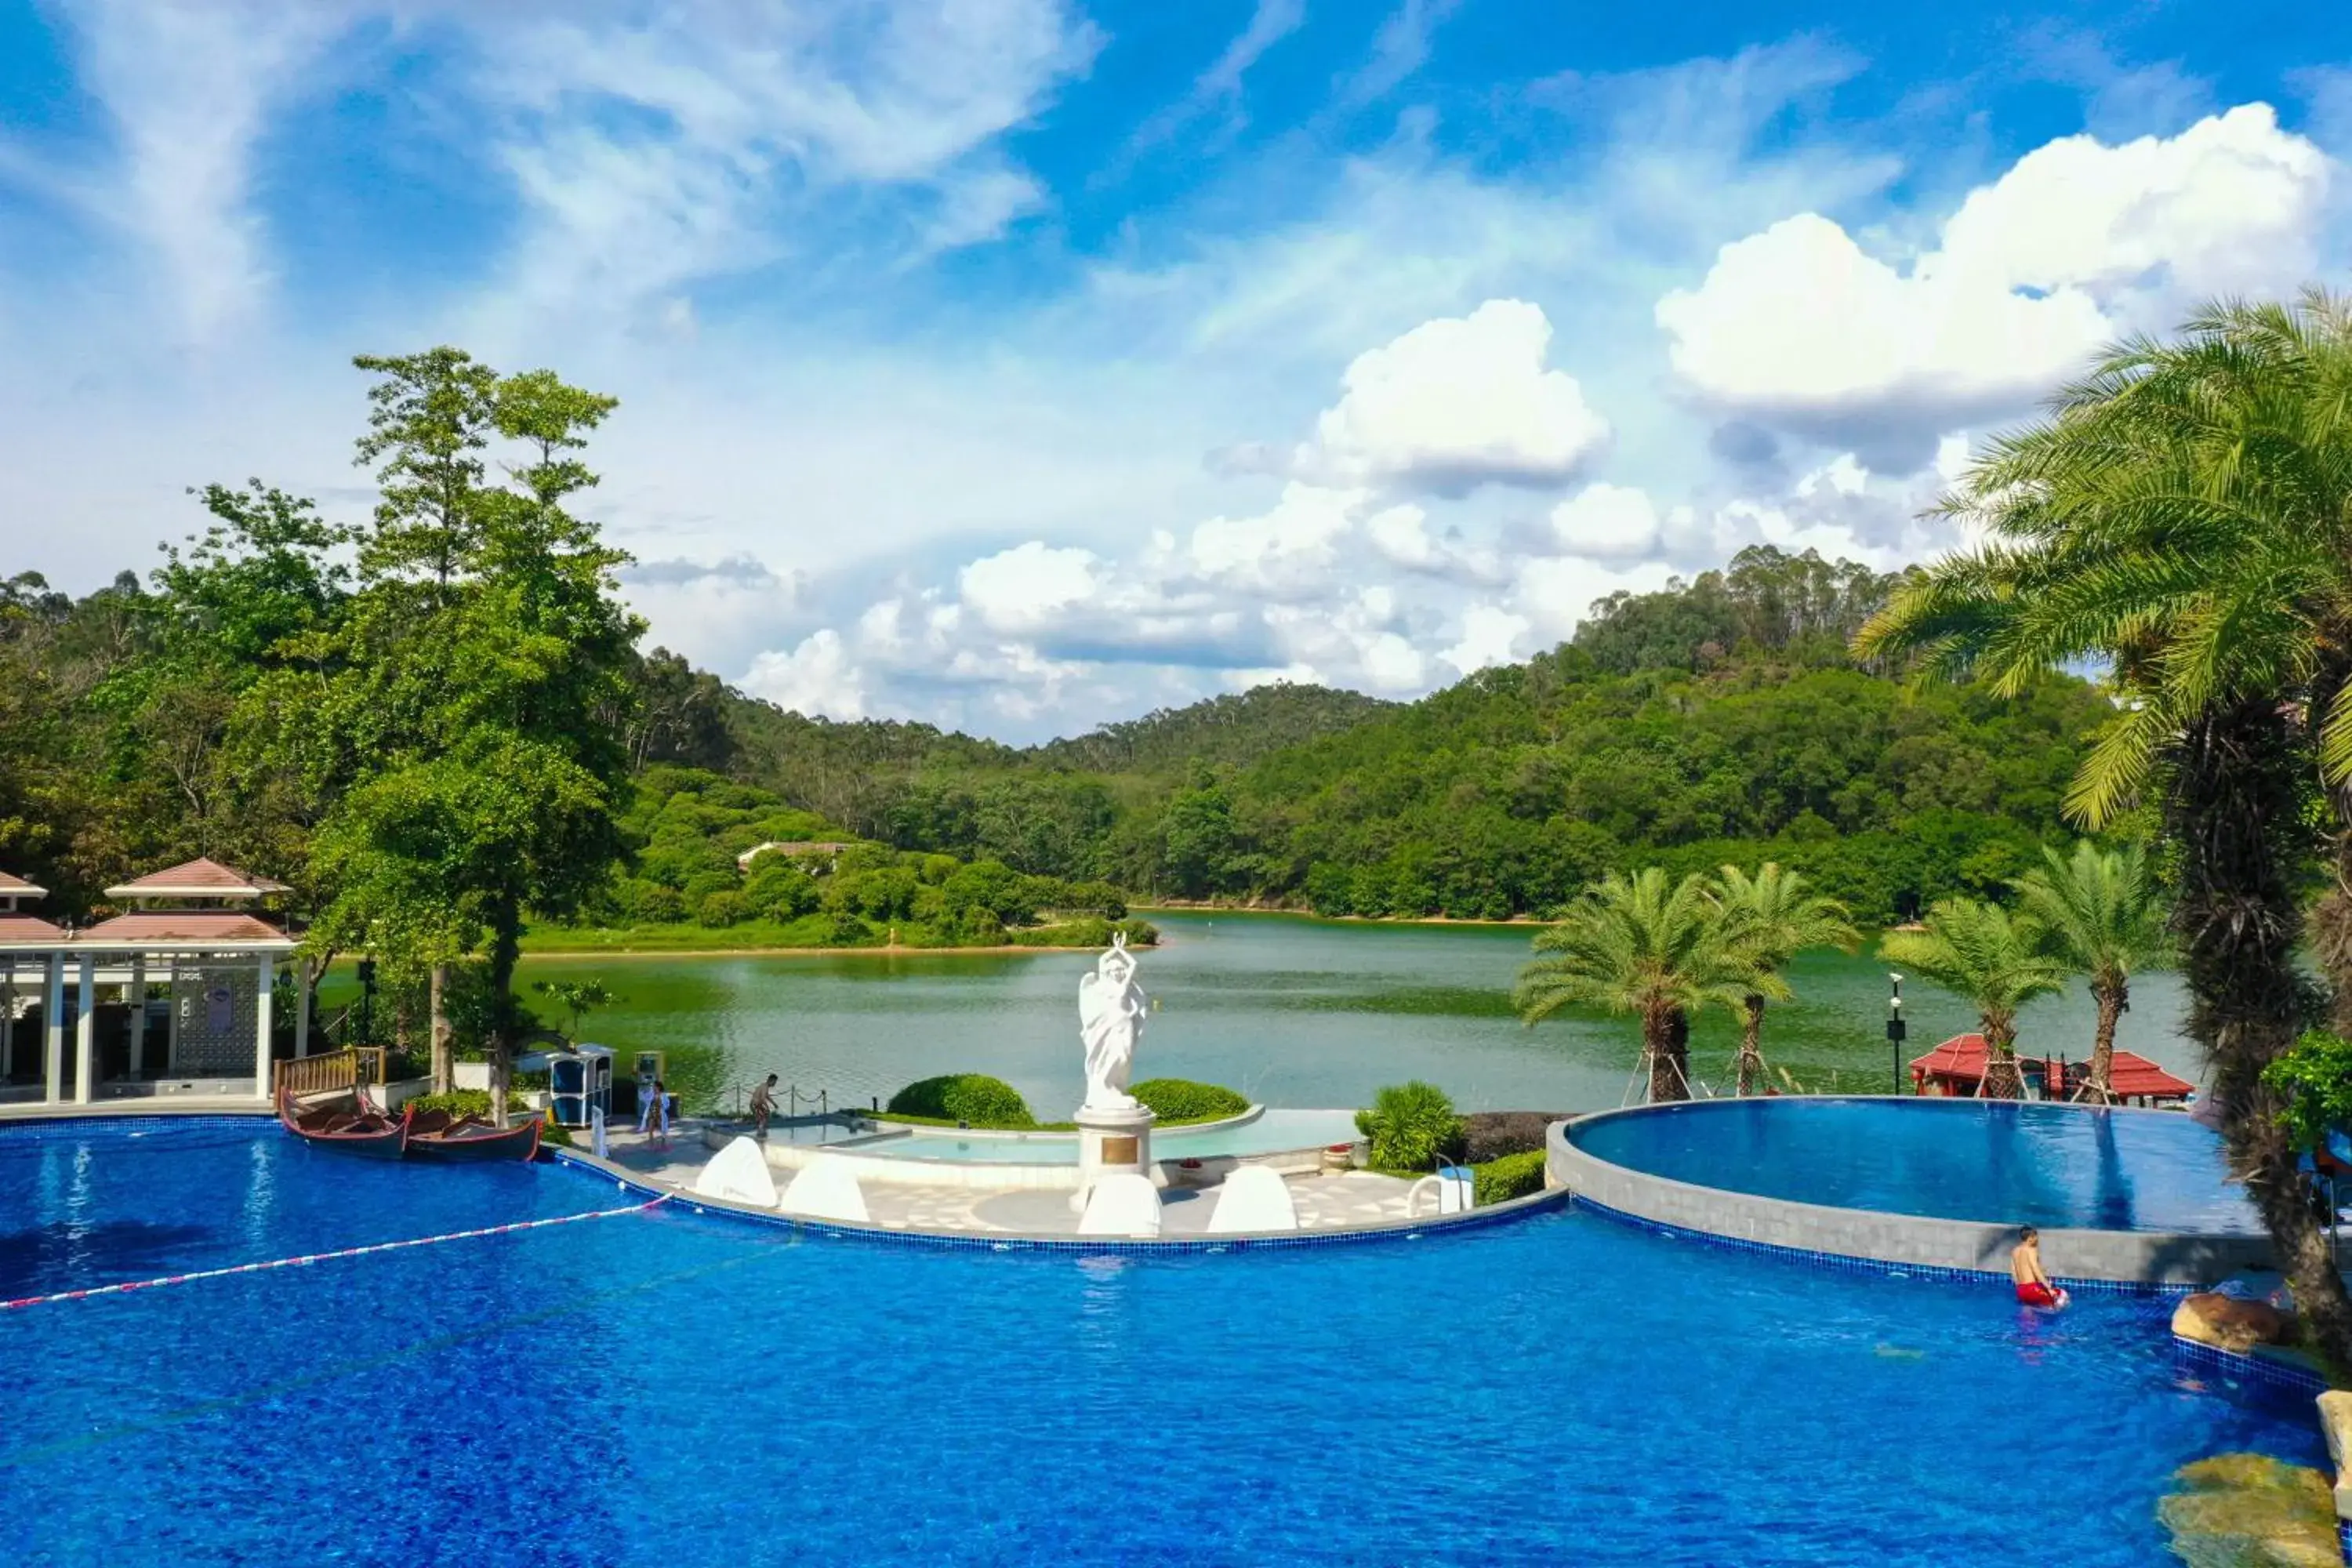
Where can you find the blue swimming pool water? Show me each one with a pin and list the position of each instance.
(675, 1391)
(2000, 1162)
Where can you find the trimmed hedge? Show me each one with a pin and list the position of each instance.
(476, 1102)
(1512, 1176)
(1491, 1134)
(968, 1097)
(1175, 1100)
(1410, 1126)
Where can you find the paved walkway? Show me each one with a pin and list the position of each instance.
(1323, 1203)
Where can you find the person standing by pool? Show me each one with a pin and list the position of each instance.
(655, 1112)
(764, 1105)
(2034, 1288)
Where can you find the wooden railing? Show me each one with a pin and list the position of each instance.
(329, 1072)
(370, 1063)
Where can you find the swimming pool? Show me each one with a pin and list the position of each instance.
(1270, 1132)
(674, 1391)
(2000, 1162)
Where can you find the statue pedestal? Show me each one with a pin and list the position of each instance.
(1109, 1143)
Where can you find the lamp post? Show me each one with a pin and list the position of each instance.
(1894, 1029)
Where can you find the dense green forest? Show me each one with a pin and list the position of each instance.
(1721, 720)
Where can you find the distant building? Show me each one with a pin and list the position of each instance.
(798, 849)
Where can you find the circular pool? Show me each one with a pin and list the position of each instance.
(2127, 1195)
(670, 1390)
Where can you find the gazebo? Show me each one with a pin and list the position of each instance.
(1957, 1068)
(191, 930)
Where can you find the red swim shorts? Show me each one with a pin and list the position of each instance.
(2038, 1296)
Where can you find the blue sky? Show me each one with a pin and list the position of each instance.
(1018, 365)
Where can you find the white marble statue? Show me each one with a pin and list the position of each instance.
(1112, 1009)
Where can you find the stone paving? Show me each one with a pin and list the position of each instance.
(1323, 1203)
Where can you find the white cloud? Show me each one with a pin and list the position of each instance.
(2077, 241)
(1220, 86)
(1294, 544)
(1026, 587)
(1608, 521)
(1455, 403)
(817, 678)
(1490, 636)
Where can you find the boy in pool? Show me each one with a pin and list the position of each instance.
(2033, 1286)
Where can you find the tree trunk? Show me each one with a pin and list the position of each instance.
(1751, 1044)
(2001, 1078)
(2101, 1090)
(442, 1071)
(2232, 807)
(505, 948)
(1666, 1042)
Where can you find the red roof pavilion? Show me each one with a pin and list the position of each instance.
(1958, 1067)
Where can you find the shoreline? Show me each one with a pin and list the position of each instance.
(997, 952)
(1182, 909)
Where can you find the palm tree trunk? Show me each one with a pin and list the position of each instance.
(2001, 1078)
(1751, 1044)
(442, 1068)
(2233, 800)
(2101, 1090)
(1665, 1041)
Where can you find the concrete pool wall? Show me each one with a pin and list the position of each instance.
(1894, 1240)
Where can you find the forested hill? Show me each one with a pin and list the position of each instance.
(1717, 719)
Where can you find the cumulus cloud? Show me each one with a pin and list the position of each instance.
(1455, 403)
(817, 678)
(1799, 325)
(1028, 586)
(1608, 521)
(1490, 636)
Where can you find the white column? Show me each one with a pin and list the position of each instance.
(172, 1017)
(302, 1009)
(262, 1001)
(85, 1030)
(53, 1028)
(138, 1015)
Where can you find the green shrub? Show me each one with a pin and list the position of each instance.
(1512, 1176)
(970, 1097)
(470, 1102)
(723, 908)
(1410, 1125)
(1174, 1100)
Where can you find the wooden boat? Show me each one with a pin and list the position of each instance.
(437, 1135)
(370, 1133)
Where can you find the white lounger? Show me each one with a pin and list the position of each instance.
(1253, 1198)
(1121, 1205)
(739, 1173)
(826, 1188)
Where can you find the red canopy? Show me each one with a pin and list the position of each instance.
(1957, 1068)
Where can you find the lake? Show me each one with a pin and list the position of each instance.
(1289, 1009)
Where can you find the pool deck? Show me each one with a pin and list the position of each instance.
(1356, 1201)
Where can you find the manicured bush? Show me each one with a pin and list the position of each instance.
(1410, 1125)
(1174, 1100)
(1512, 1176)
(1491, 1134)
(469, 1102)
(971, 1097)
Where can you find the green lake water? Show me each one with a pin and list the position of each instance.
(1289, 1010)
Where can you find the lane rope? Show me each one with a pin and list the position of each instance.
(309, 1257)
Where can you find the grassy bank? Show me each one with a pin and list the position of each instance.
(820, 936)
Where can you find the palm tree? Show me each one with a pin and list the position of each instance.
(1978, 951)
(2185, 514)
(2100, 916)
(1774, 915)
(1662, 952)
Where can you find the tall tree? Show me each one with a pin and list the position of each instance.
(2185, 513)
(1774, 915)
(2101, 915)
(1994, 961)
(1658, 950)
(488, 678)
